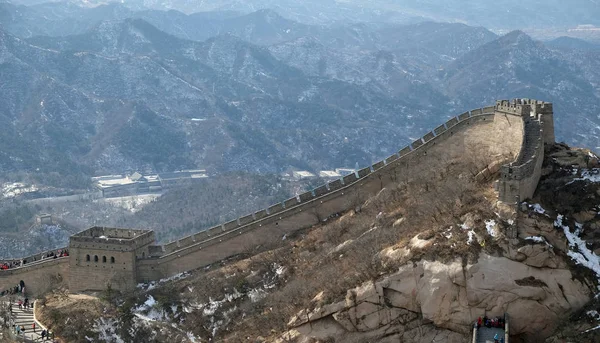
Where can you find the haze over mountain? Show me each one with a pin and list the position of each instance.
(198, 96)
(516, 64)
(504, 14)
(112, 92)
(255, 91)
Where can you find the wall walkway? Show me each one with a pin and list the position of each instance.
(481, 131)
(39, 276)
(484, 138)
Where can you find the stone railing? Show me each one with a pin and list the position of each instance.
(235, 227)
(33, 258)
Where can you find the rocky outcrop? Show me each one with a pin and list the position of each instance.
(450, 297)
(539, 255)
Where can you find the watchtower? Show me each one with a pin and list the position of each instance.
(102, 256)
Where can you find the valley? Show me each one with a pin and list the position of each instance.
(312, 171)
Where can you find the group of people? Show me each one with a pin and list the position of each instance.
(18, 289)
(46, 255)
(24, 305)
(496, 322)
(46, 334)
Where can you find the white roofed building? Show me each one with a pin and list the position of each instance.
(303, 174)
(329, 174)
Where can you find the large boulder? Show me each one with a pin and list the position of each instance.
(451, 297)
(540, 255)
(499, 285)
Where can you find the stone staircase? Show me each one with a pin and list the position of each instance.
(24, 317)
(486, 335)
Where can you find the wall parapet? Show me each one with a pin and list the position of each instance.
(281, 210)
(34, 257)
(311, 207)
(35, 265)
(519, 179)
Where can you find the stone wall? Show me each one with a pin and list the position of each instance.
(101, 256)
(497, 134)
(519, 179)
(492, 134)
(114, 267)
(39, 277)
(32, 258)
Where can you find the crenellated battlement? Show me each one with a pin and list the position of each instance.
(119, 239)
(519, 178)
(515, 107)
(514, 130)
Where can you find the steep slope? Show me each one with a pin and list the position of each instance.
(569, 44)
(64, 18)
(399, 60)
(230, 103)
(516, 64)
(56, 18)
(449, 39)
(375, 274)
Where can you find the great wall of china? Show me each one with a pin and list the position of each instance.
(511, 135)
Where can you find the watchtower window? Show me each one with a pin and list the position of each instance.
(87, 258)
(112, 259)
(95, 258)
(103, 259)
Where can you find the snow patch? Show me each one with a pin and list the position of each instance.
(153, 284)
(12, 189)
(538, 208)
(535, 239)
(131, 203)
(148, 311)
(106, 329)
(579, 251)
(470, 234)
(256, 294)
(191, 337)
(538, 239)
(592, 329)
(490, 227)
(448, 233)
(592, 175)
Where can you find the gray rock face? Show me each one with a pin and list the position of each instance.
(451, 297)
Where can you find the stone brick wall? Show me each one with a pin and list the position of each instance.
(499, 132)
(451, 139)
(39, 277)
(103, 256)
(519, 179)
(115, 267)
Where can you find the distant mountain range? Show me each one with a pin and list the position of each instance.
(503, 14)
(109, 91)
